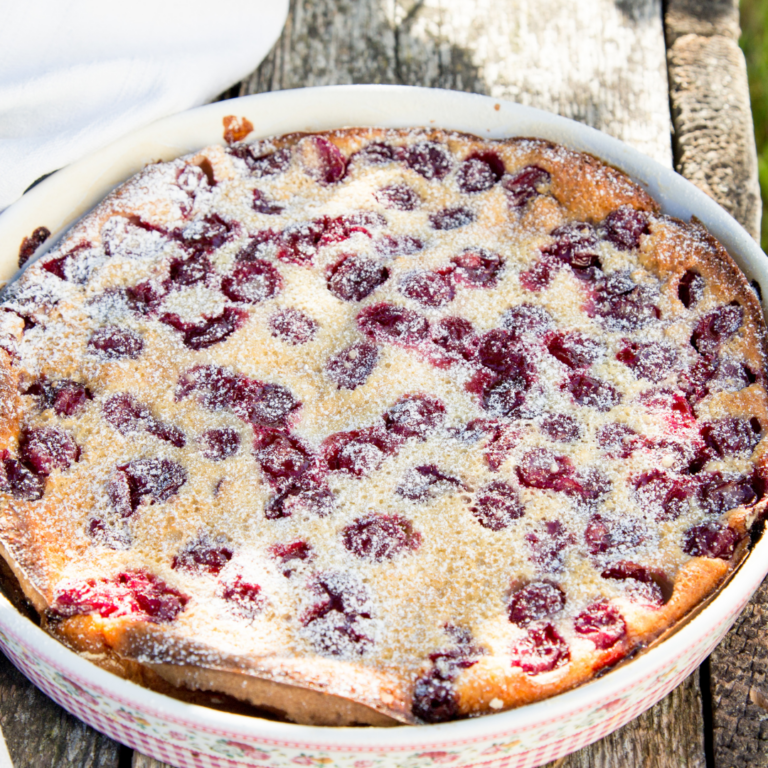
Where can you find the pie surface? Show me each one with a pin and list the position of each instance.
(378, 426)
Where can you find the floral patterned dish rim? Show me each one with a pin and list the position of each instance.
(68, 194)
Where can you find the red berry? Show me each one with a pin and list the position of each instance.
(541, 650)
(561, 427)
(289, 554)
(525, 185)
(593, 393)
(548, 544)
(428, 159)
(268, 164)
(204, 554)
(252, 282)
(380, 537)
(20, 481)
(47, 448)
(261, 204)
(535, 601)
(399, 197)
(323, 161)
(244, 597)
(434, 700)
(652, 361)
(423, 483)
(414, 416)
(281, 456)
(574, 349)
(711, 539)
(496, 505)
(353, 277)
(185, 272)
(113, 343)
(257, 246)
(730, 436)
(690, 288)
(643, 585)
(477, 268)
(379, 153)
(292, 326)
(212, 330)
(397, 325)
(479, 172)
(617, 440)
(602, 624)
(391, 246)
(451, 218)
(352, 366)
(624, 227)
(220, 444)
(455, 335)
(430, 289)
(527, 319)
(358, 452)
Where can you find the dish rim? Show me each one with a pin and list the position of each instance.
(324, 108)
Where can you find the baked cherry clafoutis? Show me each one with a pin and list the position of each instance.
(378, 426)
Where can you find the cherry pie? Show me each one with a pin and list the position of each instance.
(378, 426)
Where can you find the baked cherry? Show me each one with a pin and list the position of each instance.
(540, 468)
(690, 288)
(541, 650)
(281, 456)
(574, 349)
(604, 534)
(500, 351)
(456, 336)
(665, 495)
(414, 416)
(292, 326)
(213, 330)
(399, 197)
(220, 444)
(451, 218)
(66, 397)
(353, 277)
(126, 415)
(397, 325)
(617, 440)
(496, 505)
(380, 537)
(30, 244)
(186, 272)
(338, 618)
(601, 623)
(477, 268)
(479, 172)
(358, 452)
(711, 539)
(322, 160)
(434, 700)
(548, 544)
(623, 305)
(47, 448)
(506, 396)
(132, 593)
(591, 392)
(428, 159)
(560, 427)
(430, 289)
(262, 204)
(575, 245)
(288, 554)
(267, 164)
(720, 494)
(257, 246)
(299, 243)
(392, 246)
(114, 343)
(155, 479)
(624, 227)
(535, 601)
(652, 360)
(145, 298)
(525, 185)
(424, 482)
(643, 585)
(380, 153)
(252, 282)
(20, 481)
(731, 436)
(207, 234)
(352, 366)
(527, 319)
(244, 598)
(306, 494)
(203, 554)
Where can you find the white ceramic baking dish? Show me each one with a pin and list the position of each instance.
(186, 735)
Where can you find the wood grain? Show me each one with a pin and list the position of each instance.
(142, 761)
(602, 62)
(40, 733)
(714, 140)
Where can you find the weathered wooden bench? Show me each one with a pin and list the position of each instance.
(670, 81)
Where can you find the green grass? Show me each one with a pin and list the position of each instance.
(754, 43)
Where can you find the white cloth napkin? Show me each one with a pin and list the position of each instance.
(77, 74)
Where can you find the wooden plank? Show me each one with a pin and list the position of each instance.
(714, 140)
(142, 761)
(601, 62)
(39, 732)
